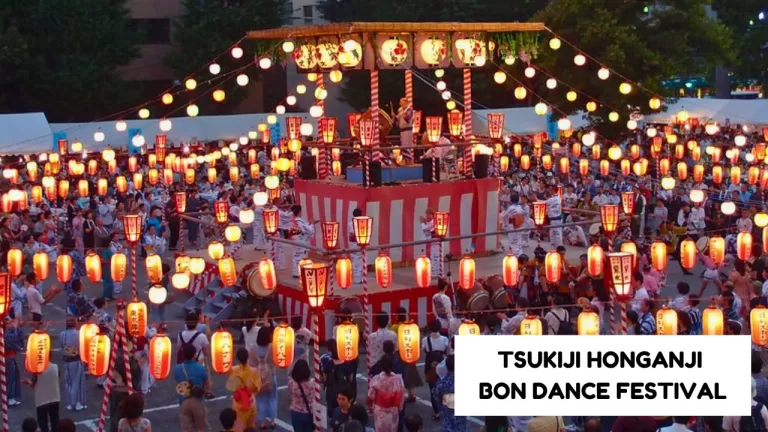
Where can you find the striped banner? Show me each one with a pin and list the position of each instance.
(375, 113)
(467, 121)
(408, 152)
(322, 162)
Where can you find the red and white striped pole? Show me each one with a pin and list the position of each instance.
(120, 334)
(366, 320)
(467, 121)
(407, 151)
(316, 366)
(612, 313)
(134, 277)
(322, 162)
(108, 385)
(3, 385)
(375, 115)
(624, 320)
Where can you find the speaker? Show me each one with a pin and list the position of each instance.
(374, 173)
(307, 168)
(482, 163)
(426, 169)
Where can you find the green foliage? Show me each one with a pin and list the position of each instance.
(209, 27)
(676, 38)
(750, 40)
(60, 57)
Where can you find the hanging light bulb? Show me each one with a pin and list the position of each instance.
(450, 105)
(509, 60)
(555, 44)
(603, 74)
(321, 93)
(280, 109)
(265, 63)
(551, 83)
(291, 100)
(121, 126)
(439, 73)
(242, 80)
(98, 136)
(500, 77)
(631, 124)
(237, 52)
(441, 85)
(190, 84)
(446, 95)
(165, 125)
(214, 68)
(315, 111)
(193, 110)
(540, 108)
(613, 116)
(144, 113)
(530, 72)
(167, 98)
(288, 47)
(301, 89)
(579, 60)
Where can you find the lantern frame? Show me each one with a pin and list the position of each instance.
(539, 213)
(271, 221)
(314, 282)
(221, 211)
(180, 198)
(330, 232)
(132, 228)
(609, 218)
(363, 229)
(620, 265)
(442, 220)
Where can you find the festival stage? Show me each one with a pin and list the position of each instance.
(472, 204)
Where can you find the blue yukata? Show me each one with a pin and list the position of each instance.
(74, 371)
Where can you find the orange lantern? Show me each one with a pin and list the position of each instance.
(5, 294)
(510, 270)
(347, 340)
(553, 266)
(93, 267)
(216, 250)
(717, 249)
(82, 188)
(40, 265)
(688, 254)
(576, 149)
(467, 273)
(160, 357)
(682, 170)
(609, 218)
(363, 227)
(634, 151)
(344, 273)
(222, 351)
(283, 342)
(717, 174)
(37, 194)
(620, 264)
(121, 184)
(154, 265)
(530, 326)
(136, 319)
(744, 246)
(267, 274)
(666, 321)
(254, 169)
(87, 332)
(565, 165)
(270, 221)
(227, 271)
(588, 323)
(221, 211)
(539, 213)
(132, 228)
(517, 150)
(698, 173)
(118, 264)
(408, 342)
(639, 169)
(15, 261)
(546, 162)
(38, 352)
(625, 167)
(101, 187)
(330, 232)
(584, 167)
(595, 261)
(6, 203)
(712, 321)
(314, 281)
(628, 202)
(93, 167)
(525, 162)
(212, 175)
(63, 188)
(504, 163)
(596, 152)
(605, 167)
(735, 175)
(423, 271)
(64, 268)
(659, 255)
(442, 220)
(455, 123)
(153, 176)
(168, 176)
(664, 166)
(383, 266)
(434, 128)
(758, 323)
(99, 350)
(234, 174)
(336, 168)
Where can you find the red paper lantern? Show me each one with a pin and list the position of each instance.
(467, 273)
(160, 357)
(423, 268)
(509, 271)
(659, 255)
(222, 351)
(595, 261)
(344, 273)
(553, 266)
(383, 266)
(744, 246)
(283, 343)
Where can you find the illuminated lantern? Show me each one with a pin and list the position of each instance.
(383, 266)
(530, 326)
(99, 349)
(510, 270)
(408, 342)
(270, 221)
(467, 273)
(154, 266)
(584, 167)
(596, 154)
(283, 343)
(136, 318)
(157, 294)
(628, 202)
(595, 260)
(234, 174)
(117, 266)
(63, 188)
(221, 211)
(744, 246)
(553, 266)
(93, 267)
(735, 175)
(347, 340)
(688, 254)
(666, 321)
(441, 224)
(761, 219)
(753, 175)
(336, 168)
(664, 166)
(712, 321)
(196, 265)
(7, 204)
(82, 188)
(15, 261)
(504, 163)
(363, 227)
(717, 249)
(254, 170)
(620, 264)
(87, 333)
(525, 162)
(659, 255)
(423, 267)
(330, 232)
(38, 352)
(625, 167)
(539, 213)
(37, 194)
(546, 162)
(588, 323)
(609, 218)
(160, 357)
(227, 271)
(64, 268)
(344, 273)
(40, 265)
(698, 173)
(727, 207)
(232, 233)
(605, 167)
(222, 351)
(469, 328)
(565, 165)
(314, 280)
(639, 169)
(717, 174)
(758, 323)
(212, 175)
(132, 228)
(630, 247)
(455, 123)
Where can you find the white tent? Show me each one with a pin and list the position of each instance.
(518, 121)
(20, 132)
(753, 112)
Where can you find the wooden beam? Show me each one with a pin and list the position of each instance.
(337, 29)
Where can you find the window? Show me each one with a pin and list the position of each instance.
(308, 12)
(153, 31)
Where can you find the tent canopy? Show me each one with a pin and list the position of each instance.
(20, 132)
(519, 121)
(740, 111)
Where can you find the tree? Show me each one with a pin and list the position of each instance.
(673, 38)
(750, 32)
(207, 28)
(60, 57)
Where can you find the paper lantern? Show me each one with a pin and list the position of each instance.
(117, 266)
(609, 218)
(63, 188)
(595, 261)
(270, 221)
(455, 123)
(758, 323)
(221, 211)
(99, 350)
(64, 268)
(330, 232)
(717, 174)
(717, 249)
(467, 273)
(539, 213)
(181, 280)
(408, 342)
(267, 274)
(197, 265)
(525, 162)
(222, 351)
(136, 318)
(394, 51)
(442, 221)
(363, 227)
(553, 266)
(434, 128)
(283, 343)
(744, 246)
(620, 264)
(5, 294)
(93, 267)
(469, 328)
(160, 357)
(666, 321)
(227, 271)
(232, 233)
(216, 250)
(688, 253)
(314, 281)
(423, 268)
(546, 162)
(87, 333)
(37, 194)
(157, 294)
(588, 323)
(630, 247)
(40, 265)
(628, 202)
(154, 265)
(38, 352)
(347, 340)
(510, 270)
(344, 273)
(761, 219)
(659, 255)
(712, 321)
(530, 326)
(15, 261)
(383, 266)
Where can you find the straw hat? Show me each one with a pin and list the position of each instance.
(546, 424)
(594, 229)
(702, 243)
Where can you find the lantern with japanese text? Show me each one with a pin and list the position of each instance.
(467, 273)
(666, 321)
(455, 123)
(620, 264)
(64, 268)
(314, 281)
(434, 128)
(283, 343)
(408, 342)
(117, 266)
(509, 270)
(344, 273)
(154, 265)
(136, 318)
(609, 218)
(160, 356)
(628, 202)
(5, 203)
(659, 255)
(99, 350)
(82, 188)
(588, 323)
(5, 294)
(530, 326)
(36, 194)
(539, 213)
(442, 220)
(688, 253)
(132, 228)
(363, 228)
(758, 323)
(630, 247)
(383, 266)
(330, 232)
(40, 265)
(222, 351)
(744, 246)
(717, 249)
(423, 268)
(553, 266)
(712, 321)
(347, 340)
(221, 211)
(63, 188)
(267, 274)
(717, 174)
(595, 261)
(469, 328)
(227, 271)
(180, 199)
(15, 261)
(270, 221)
(328, 129)
(38, 352)
(87, 332)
